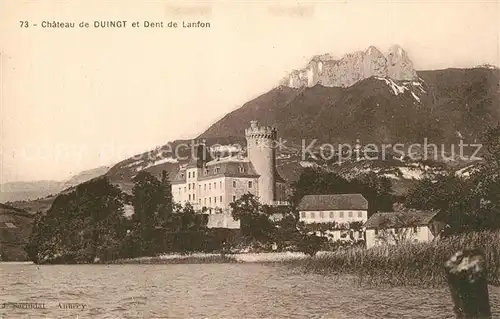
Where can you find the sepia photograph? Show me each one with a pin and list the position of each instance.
(250, 159)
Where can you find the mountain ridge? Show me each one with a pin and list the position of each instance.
(380, 100)
(30, 190)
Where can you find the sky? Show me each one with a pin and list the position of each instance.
(75, 99)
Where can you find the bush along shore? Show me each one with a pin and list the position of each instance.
(178, 259)
(405, 264)
(211, 258)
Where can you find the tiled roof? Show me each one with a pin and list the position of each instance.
(333, 202)
(400, 219)
(222, 169)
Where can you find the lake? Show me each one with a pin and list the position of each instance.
(240, 290)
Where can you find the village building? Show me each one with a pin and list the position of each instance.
(210, 184)
(397, 227)
(338, 210)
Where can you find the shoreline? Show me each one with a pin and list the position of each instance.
(208, 258)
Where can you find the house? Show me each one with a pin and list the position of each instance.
(338, 210)
(211, 184)
(395, 227)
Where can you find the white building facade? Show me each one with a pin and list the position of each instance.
(398, 227)
(340, 210)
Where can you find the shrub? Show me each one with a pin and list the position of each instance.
(419, 264)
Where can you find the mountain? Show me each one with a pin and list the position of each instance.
(352, 68)
(441, 106)
(365, 97)
(14, 191)
(25, 191)
(15, 229)
(84, 176)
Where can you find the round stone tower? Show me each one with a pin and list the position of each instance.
(261, 147)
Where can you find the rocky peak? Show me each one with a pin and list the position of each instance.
(353, 67)
(399, 65)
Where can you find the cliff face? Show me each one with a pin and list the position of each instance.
(352, 68)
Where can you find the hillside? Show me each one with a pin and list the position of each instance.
(441, 105)
(15, 229)
(28, 191)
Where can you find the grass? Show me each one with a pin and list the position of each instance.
(406, 264)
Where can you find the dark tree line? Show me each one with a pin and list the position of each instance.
(89, 224)
(465, 203)
(377, 190)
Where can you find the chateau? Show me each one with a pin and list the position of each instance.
(211, 184)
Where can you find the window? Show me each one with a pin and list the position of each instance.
(376, 231)
(341, 214)
(199, 188)
(220, 199)
(194, 197)
(210, 200)
(360, 214)
(199, 200)
(205, 200)
(216, 170)
(313, 215)
(189, 196)
(250, 184)
(215, 185)
(194, 174)
(205, 187)
(209, 186)
(220, 184)
(189, 186)
(189, 174)
(332, 215)
(234, 183)
(350, 214)
(179, 190)
(321, 215)
(415, 229)
(234, 198)
(215, 200)
(242, 169)
(303, 214)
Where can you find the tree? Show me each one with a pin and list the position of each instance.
(253, 217)
(310, 244)
(165, 208)
(466, 203)
(377, 190)
(153, 209)
(80, 225)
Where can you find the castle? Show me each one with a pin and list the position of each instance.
(211, 185)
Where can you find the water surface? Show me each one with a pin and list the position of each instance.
(210, 291)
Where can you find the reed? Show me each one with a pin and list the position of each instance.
(406, 264)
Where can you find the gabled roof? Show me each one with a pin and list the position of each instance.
(229, 169)
(400, 219)
(224, 168)
(333, 202)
